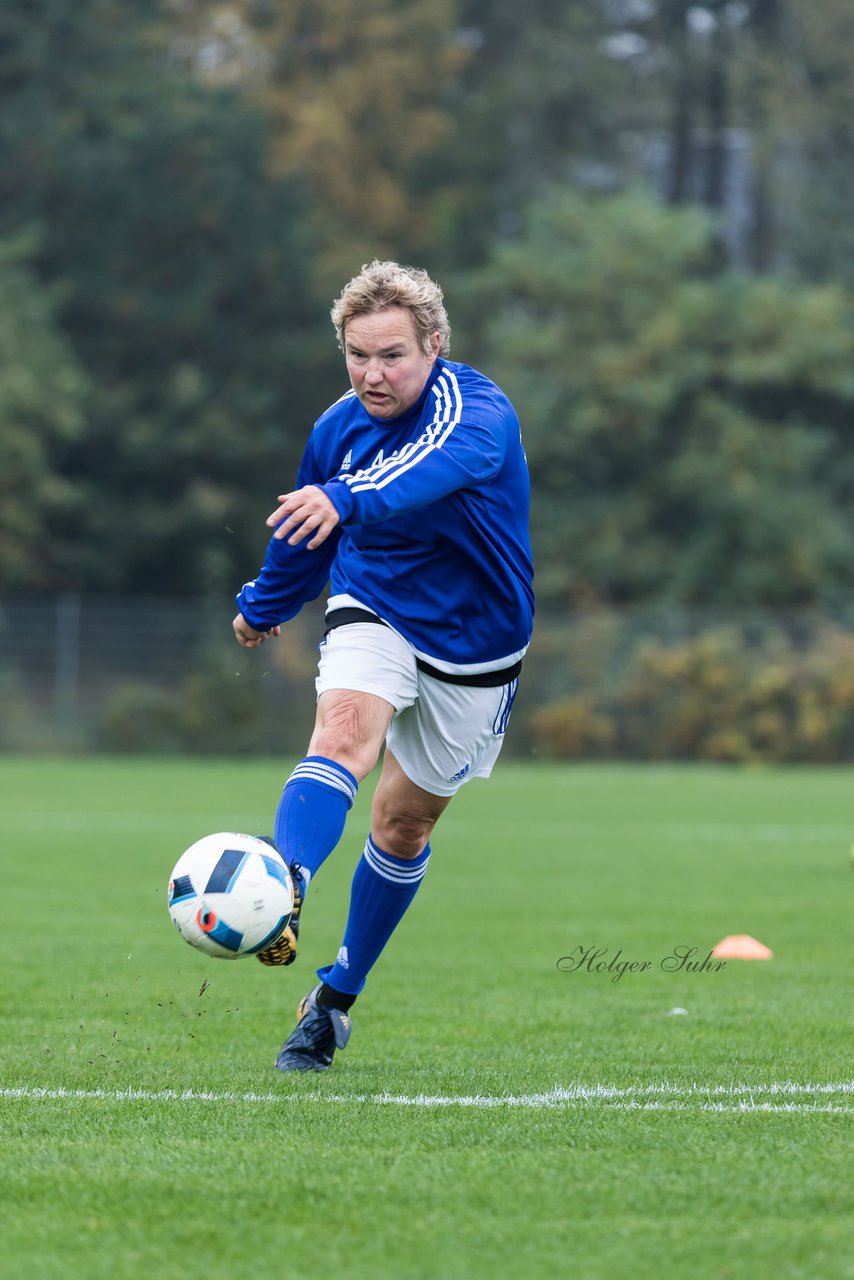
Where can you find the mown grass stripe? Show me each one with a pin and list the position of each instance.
(762, 832)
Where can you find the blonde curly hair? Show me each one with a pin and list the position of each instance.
(380, 285)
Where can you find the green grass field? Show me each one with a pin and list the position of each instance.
(494, 1115)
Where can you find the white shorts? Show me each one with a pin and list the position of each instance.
(441, 734)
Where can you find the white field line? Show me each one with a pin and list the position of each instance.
(778, 1097)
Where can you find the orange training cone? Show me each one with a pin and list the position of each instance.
(740, 946)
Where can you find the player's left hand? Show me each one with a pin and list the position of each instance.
(303, 512)
(247, 637)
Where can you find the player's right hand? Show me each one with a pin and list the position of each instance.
(304, 512)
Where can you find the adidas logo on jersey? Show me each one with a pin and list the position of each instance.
(347, 461)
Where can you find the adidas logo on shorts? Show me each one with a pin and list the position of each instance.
(458, 777)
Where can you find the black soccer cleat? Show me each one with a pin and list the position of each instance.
(284, 949)
(313, 1041)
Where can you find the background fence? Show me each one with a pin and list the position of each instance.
(156, 674)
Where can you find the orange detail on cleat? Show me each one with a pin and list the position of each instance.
(284, 949)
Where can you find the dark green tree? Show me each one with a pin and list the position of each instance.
(43, 399)
(181, 273)
(689, 433)
(541, 101)
(819, 159)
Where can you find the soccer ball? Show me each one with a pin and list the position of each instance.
(230, 895)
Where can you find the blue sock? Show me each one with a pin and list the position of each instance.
(312, 812)
(383, 887)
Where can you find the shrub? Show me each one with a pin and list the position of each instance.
(738, 693)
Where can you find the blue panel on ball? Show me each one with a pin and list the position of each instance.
(276, 868)
(180, 890)
(226, 871)
(226, 937)
(271, 936)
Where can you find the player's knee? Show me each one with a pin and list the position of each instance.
(345, 735)
(402, 835)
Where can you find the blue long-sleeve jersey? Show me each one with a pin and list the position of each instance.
(434, 524)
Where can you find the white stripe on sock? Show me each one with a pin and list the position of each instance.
(312, 771)
(393, 871)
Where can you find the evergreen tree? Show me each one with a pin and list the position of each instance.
(181, 273)
(688, 432)
(43, 398)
